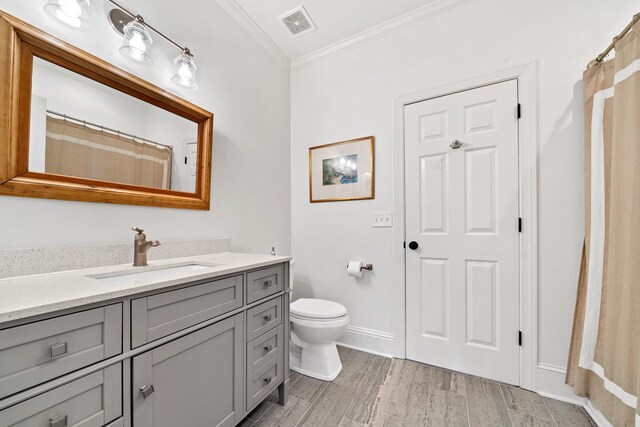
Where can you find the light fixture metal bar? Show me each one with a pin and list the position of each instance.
(108, 129)
(134, 16)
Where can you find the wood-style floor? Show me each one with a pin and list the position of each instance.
(376, 391)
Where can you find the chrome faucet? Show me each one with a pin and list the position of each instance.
(141, 246)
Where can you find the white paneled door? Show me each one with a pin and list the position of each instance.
(461, 166)
(192, 163)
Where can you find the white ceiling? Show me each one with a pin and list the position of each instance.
(336, 19)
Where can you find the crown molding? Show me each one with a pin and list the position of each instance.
(250, 26)
(384, 29)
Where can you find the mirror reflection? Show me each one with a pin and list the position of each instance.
(84, 129)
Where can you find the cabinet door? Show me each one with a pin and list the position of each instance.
(159, 315)
(264, 282)
(193, 381)
(90, 401)
(37, 352)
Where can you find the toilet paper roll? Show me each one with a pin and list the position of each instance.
(355, 269)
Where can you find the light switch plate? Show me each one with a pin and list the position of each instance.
(382, 219)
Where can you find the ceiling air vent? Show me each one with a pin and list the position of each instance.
(297, 21)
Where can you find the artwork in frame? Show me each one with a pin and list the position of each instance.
(342, 171)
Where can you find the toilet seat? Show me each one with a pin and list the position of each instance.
(317, 309)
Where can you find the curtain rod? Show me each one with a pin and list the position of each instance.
(609, 48)
(103, 128)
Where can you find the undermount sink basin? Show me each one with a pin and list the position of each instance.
(155, 273)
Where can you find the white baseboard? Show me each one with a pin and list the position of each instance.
(551, 384)
(368, 340)
(597, 416)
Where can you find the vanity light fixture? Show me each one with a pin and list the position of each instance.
(73, 13)
(136, 41)
(185, 70)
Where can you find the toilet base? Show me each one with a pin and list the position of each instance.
(320, 361)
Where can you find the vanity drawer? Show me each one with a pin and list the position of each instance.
(262, 381)
(263, 318)
(157, 316)
(34, 353)
(91, 401)
(264, 350)
(264, 282)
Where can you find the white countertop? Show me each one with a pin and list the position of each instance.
(27, 296)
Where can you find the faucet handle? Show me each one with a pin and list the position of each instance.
(137, 229)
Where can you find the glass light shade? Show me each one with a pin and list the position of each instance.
(185, 71)
(136, 42)
(74, 13)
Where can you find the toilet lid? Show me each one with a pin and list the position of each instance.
(317, 308)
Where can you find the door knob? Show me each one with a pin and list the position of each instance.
(455, 144)
(413, 245)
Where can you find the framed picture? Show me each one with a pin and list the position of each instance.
(342, 171)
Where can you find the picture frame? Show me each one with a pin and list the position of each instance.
(342, 171)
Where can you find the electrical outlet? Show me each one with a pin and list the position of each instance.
(382, 219)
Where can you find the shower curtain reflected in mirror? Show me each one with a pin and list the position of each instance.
(604, 360)
(77, 150)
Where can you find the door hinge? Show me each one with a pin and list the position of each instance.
(185, 160)
(519, 111)
(519, 225)
(520, 338)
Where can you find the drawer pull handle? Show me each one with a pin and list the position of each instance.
(267, 349)
(58, 421)
(268, 283)
(147, 390)
(267, 318)
(57, 350)
(267, 380)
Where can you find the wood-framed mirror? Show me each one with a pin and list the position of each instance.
(74, 127)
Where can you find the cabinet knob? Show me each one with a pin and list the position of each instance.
(413, 245)
(57, 350)
(268, 283)
(58, 421)
(267, 349)
(267, 380)
(267, 318)
(147, 390)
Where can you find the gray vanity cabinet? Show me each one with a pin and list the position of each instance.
(201, 353)
(193, 381)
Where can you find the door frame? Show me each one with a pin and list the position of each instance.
(185, 170)
(527, 171)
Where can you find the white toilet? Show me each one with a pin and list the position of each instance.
(316, 324)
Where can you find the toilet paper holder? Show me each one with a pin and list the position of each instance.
(365, 267)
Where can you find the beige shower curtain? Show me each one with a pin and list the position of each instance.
(76, 150)
(604, 360)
